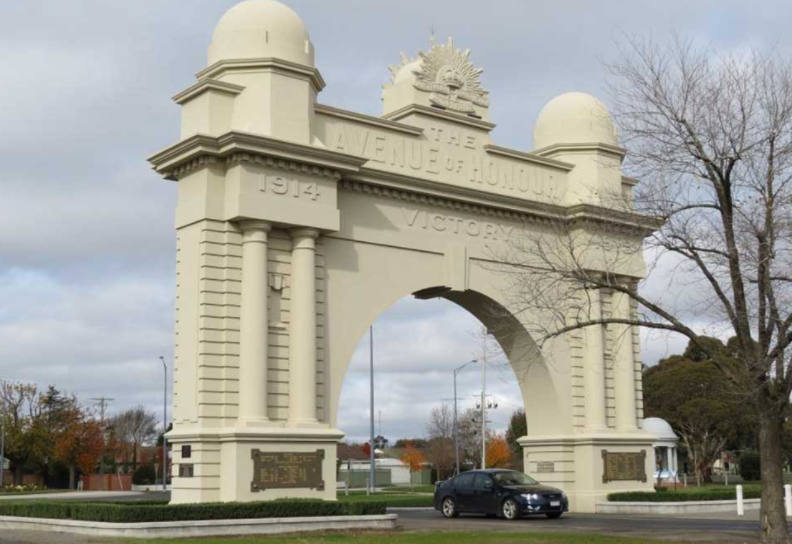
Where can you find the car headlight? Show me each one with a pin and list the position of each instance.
(530, 496)
(563, 495)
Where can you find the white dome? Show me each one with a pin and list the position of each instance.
(659, 428)
(574, 118)
(406, 71)
(261, 29)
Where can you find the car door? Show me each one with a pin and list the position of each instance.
(463, 489)
(484, 494)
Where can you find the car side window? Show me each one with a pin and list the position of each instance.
(483, 481)
(464, 480)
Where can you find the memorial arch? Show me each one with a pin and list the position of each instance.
(298, 223)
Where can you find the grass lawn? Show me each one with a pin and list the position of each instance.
(36, 492)
(406, 489)
(419, 538)
(390, 499)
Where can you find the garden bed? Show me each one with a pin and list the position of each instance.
(151, 511)
(727, 494)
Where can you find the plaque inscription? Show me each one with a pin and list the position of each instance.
(622, 466)
(545, 466)
(279, 470)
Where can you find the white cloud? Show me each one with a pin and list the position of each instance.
(86, 238)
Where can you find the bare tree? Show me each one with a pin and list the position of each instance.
(134, 428)
(440, 431)
(710, 138)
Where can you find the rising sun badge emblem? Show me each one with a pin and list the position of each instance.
(450, 77)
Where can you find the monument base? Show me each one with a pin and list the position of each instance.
(253, 464)
(588, 467)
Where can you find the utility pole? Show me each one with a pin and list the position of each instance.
(102, 402)
(456, 425)
(164, 424)
(372, 458)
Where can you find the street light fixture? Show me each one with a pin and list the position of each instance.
(456, 433)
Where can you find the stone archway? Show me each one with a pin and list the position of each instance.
(298, 223)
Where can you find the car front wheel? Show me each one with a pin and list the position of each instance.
(449, 508)
(510, 509)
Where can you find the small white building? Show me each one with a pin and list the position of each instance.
(665, 447)
(400, 471)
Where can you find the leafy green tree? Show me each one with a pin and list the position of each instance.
(700, 405)
(518, 427)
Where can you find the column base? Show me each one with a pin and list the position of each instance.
(254, 423)
(574, 463)
(223, 465)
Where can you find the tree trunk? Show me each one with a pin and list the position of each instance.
(71, 476)
(773, 514)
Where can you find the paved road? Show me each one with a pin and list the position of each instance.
(719, 530)
(707, 527)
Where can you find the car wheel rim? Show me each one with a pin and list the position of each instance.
(508, 509)
(448, 507)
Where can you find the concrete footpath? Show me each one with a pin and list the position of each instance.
(82, 495)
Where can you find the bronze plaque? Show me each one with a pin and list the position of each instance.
(272, 470)
(622, 466)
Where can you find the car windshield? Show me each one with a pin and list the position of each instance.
(513, 477)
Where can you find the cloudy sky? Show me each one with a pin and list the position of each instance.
(86, 228)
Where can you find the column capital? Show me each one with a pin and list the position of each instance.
(304, 232)
(254, 225)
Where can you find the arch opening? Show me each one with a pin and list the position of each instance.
(431, 339)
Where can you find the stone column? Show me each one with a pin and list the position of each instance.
(302, 331)
(594, 371)
(253, 325)
(623, 365)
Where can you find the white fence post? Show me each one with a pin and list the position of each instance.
(740, 506)
(788, 499)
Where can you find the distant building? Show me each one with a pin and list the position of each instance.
(354, 467)
(665, 447)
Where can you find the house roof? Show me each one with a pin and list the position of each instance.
(347, 452)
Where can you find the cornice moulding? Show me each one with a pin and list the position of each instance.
(450, 196)
(367, 119)
(581, 147)
(266, 63)
(528, 157)
(206, 85)
(167, 161)
(439, 114)
(632, 182)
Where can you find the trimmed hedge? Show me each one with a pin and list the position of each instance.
(688, 496)
(134, 512)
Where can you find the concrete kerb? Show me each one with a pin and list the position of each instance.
(184, 529)
(666, 508)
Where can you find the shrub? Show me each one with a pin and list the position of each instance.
(144, 475)
(151, 511)
(728, 494)
(750, 466)
(661, 489)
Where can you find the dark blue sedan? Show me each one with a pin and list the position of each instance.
(505, 493)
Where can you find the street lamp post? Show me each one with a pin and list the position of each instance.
(456, 432)
(164, 424)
